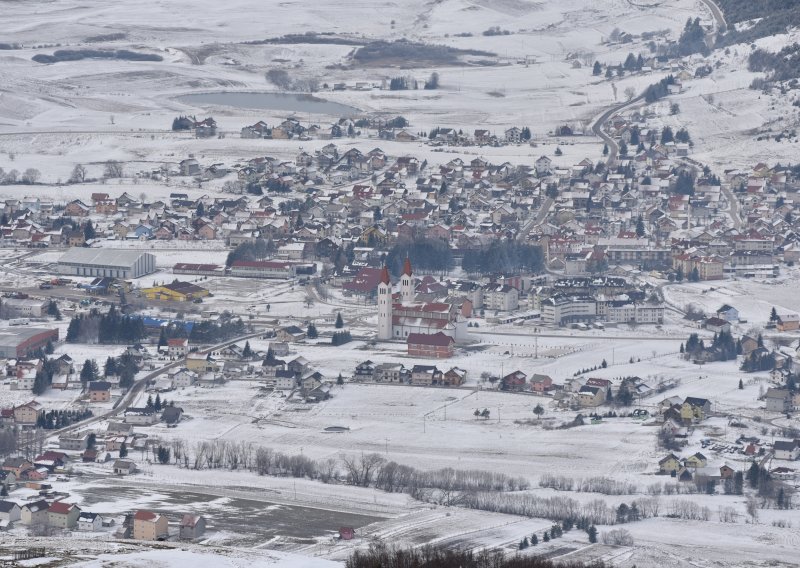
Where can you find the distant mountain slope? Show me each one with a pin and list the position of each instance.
(771, 17)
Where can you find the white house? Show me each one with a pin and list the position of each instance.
(183, 378)
(786, 450)
(142, 416)
(89, 522)
(9, 512)
(500, 297)
(728, 313)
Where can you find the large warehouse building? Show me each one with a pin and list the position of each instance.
(21, 341)
(113, 263)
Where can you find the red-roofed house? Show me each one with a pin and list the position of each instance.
(149, 526)
(432, 346)
(177, 347)
(63, 515)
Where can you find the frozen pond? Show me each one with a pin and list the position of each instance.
(271, 101)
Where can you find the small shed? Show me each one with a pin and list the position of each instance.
(192, 527)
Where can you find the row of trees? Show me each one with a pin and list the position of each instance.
(109, 328)
(409, 83)
(56, 419)
(340, 338)
(446, 486)
(12, 177)
(430, 255)
(209, 332)
(379, 554)
(658, 90)
(723, 347)
(503, 257)
(258, 250)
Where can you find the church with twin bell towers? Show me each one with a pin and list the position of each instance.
(399, 315)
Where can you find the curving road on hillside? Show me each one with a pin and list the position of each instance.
(716, 12)
(598, 128)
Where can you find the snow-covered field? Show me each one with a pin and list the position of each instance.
(109, 110)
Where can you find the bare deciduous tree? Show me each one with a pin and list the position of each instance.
(113, 169)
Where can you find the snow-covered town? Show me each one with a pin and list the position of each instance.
(474, 282)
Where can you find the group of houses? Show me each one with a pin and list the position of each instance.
(417, 375)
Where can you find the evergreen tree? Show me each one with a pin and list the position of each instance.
(91, 441)
(597, 69)
(53, 311)
(534, 540)
(605, 149)
(149, 401)
(753, 474)
(311, 332)
(592, 531)
(40, 383)
(340, 380)
(339, 321)
(773, 315)
(89, 371)
(123, 450)
(247, 352)
(162, 338)
(546, 537)
(73, 330)
(163, 455)
(157, 402)
(624, 394)
(110, 367)
(741, 385)
(88, 231)
(640, 227)
(694, 276)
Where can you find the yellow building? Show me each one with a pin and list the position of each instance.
(176, 292)
(150, 526)
(201, 363)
